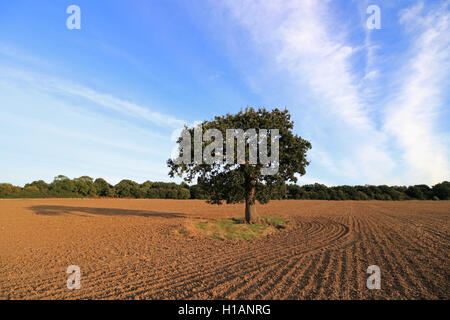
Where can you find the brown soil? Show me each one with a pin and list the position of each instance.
(130, 249)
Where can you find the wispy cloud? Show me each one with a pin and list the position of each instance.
(373, 102)
(17, 54)
(300, 37)
(67, 127)
(412, 117)
(308, 40)
(63, 87)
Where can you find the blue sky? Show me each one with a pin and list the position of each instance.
(105, 100)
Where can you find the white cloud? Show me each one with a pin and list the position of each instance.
(57, 123)
(17, 54)
(371, 75)
(301, 36)
(351, 142)
(64, 87)
(412, 116)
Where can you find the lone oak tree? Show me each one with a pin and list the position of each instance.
(239, 181)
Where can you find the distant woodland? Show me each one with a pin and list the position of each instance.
(87, 187)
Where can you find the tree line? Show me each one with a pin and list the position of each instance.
(86, 187)
(440, 191)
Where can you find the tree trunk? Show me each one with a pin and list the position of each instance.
(250, 207)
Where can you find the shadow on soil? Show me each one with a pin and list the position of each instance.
(67, 210)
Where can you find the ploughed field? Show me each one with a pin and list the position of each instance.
(134, 249)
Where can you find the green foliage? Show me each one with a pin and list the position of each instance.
(442, 190)
(236, 228)
(367, 192)
(183, 193)
(235, 183)
(8, 190)
(415, 192)
(84, 186)
(274, 221)
(63, 187)
(42, 186)
(103, 188)
(126, 189)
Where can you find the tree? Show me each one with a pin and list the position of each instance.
(426, 191)
(183, 193)
(238, 179)
(126, 188)
(361, 196)
(85, 186)
(42, 186)
(147, 185)
(341, 195)
(103, 188)
(171, 193)
(152, 193)
(61, 177)
(7, 189)
(31, 191)
(62, 185)
(415, 192)
(442, 190)
(197, 192)
(294, 191)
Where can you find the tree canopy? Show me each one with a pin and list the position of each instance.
(248, 177)
(170, 190)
